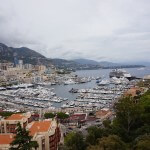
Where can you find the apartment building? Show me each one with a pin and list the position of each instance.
(46, 133)
(8, 125)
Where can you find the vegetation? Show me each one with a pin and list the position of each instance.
(94, 133)
(49, 115)
(6, 114)
(112, 142)
(61, 115)
(63, 71)
(75, 141)
(142, 143)
(22, 140)
(144, 83)
(130, 129)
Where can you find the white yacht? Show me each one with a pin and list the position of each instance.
(118, 73)
(70, 81)
(104, 82)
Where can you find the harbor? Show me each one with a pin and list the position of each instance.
(75, 91)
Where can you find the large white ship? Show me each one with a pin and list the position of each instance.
(121, 73)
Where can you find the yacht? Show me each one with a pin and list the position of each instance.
(2, 89)
(103, 82)
(115, 80)
(70, 81)
(118, 73)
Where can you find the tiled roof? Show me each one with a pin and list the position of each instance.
(16, 117)
(40, 126)
(6, 138)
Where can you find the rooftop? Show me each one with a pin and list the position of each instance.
(6, 138)
(16, 117)
(40, 126)
(77, 117)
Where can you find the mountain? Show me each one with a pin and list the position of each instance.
(86, 61)
(7, 54)
(106, 64)
(93, 62)
(27, 55)
(145, 63)
(63, 64)
(73, 65)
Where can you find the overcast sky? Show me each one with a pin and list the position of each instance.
(114, 30)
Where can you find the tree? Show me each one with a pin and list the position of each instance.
(145, 105)
(145, 129)
(75, 141)
(111, 142)
(22, 140)
(6, 114)
(142, 143)
(61, 115)
(49, 115)
(107, 123)
(128, 112)
(130, 129)
(93, 134)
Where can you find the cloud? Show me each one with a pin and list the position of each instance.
(116, 30)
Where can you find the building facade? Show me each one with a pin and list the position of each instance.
(9, 124)
(46, 133)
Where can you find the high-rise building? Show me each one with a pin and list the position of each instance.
(20, 64)
(15, 60)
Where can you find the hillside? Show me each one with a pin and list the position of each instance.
(93, 62)
(30, 56)
(27, 55)
(86, 61)
(105, 64)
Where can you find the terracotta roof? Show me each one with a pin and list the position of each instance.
(16, 117)
(6, 138)
(40, 126)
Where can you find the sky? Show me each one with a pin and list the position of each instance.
(102, 30)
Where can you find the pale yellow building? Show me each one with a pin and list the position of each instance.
(8, 125)
(46, 133)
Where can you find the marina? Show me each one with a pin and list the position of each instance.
(90, 92)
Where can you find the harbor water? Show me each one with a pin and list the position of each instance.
(63, 90)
